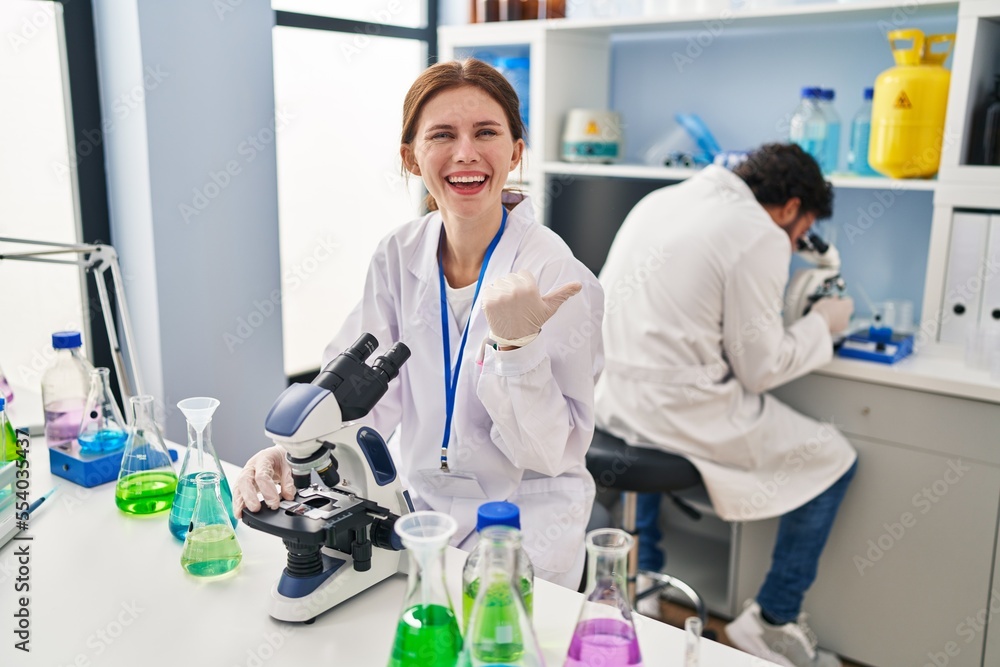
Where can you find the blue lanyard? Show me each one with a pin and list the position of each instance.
(451, 377)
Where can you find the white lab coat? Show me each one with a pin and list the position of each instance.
(523, 418)
(694, 338)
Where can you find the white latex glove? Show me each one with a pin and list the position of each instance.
(516, 311)
(260, 474)
(836, 311)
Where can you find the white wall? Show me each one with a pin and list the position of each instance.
(187, 87)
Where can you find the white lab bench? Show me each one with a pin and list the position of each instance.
(909, 568)
(108, 590)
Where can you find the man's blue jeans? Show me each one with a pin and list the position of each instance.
(802, 534)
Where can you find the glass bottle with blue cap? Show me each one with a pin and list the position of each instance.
(496, 514)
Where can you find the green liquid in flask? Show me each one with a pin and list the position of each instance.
(146, 492)
(427, 636)
(210, 551)
(469, 599)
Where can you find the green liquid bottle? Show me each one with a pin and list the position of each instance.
(211, 547)
(499, 631)
(147, 481)
(8, 436)
(426, 636)
(469, 598)
(146, 492)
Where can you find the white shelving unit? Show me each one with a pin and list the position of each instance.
(743, 74)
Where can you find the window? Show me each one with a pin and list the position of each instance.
(40, 165)
(340, 188)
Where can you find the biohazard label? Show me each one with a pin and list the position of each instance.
(902, 101)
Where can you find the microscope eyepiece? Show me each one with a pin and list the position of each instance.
(391, 361)
(362, 348)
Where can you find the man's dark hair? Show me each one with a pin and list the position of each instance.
(777, 172)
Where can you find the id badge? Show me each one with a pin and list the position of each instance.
(454, 483)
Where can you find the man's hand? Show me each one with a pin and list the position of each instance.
(836, 311)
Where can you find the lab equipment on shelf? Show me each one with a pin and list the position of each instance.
(146, 481)
(592, 135)
(103, 427)
(498, 631)
(807, 127)
(861, 128)
(507, 516)
(427, 634)
(199, 457)
(605, 632)
(909, 105)
(831, 149)
(210, 544)
(65, 384)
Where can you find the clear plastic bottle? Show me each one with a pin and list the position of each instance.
(861, 129)
(65, 385)
(808, 125)
(199, 457)
(499, 630)
(210, 545)
(508, 516)
(831, 148)
(103, 428)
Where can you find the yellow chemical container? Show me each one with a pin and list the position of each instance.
(909, 106)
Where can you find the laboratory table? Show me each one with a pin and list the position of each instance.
(108, 589)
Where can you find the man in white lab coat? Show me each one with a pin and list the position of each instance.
(693, 337)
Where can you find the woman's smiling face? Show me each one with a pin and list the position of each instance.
(463, 150)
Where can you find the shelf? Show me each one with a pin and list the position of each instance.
(785, 17)
(679, 174)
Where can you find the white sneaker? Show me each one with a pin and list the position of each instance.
(790, 645)
(649, 605)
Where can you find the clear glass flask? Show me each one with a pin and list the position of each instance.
(496, 514)
(427, 634)
(499, 630)
(146, 481)
(605, 633)
(64, 390)
(103, 428)
(200, 457)
(211, 547)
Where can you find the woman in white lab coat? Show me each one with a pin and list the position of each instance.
(522, 416)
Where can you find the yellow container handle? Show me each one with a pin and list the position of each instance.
(912, 55)
(931, 58)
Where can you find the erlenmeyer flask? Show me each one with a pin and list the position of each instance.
(5, 391)
(211, 547)
(147, 481)
(605, 633)
(200, 457)
(499, 629)
(103, 428)
(427, 634)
